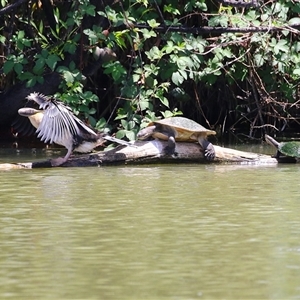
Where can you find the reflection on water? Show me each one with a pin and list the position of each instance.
(151, 232)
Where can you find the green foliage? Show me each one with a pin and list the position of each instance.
(160, 72)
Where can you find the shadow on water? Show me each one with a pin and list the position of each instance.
(150, 232)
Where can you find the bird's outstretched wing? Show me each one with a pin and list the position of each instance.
(59, 124)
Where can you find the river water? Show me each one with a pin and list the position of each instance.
(184, 231)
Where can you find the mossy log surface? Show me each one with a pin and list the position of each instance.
(151, 152)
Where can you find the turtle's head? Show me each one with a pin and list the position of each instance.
(145, 133)
(35, 116)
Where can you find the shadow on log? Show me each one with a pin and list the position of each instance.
(152, 152)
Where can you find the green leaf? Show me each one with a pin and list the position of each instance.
(152, 23)
(31, 82)
(90, 96)
(26, 76)
(44, 53)
(72, 66)
(177, 78)
(90, 10)
(167, 114)
(197, 44)
(41, 26)
(52, 60)
(296, 72)
(40, 79)
(259, 59)
(39, 65)
(154, 53)
(70, 47)
(220, 20)
(149, 82)
(101, 123)
(294, 21)
(265, 17)
(136, 77)
(169, 48)
(281, 46)
(92, 120)
(201, 5)
(18, 68)
(211, 79)
(183, 74)
(164, 101)
(2, 39)
(147, 34)
(92, 111)
(20, 34)
(171, 9)
(61, 69)
(68, 76)
(115, 69)
(185, 61)
(83, 108)
(144, 105)
(8, 66)
(131, 135)
(120, 134)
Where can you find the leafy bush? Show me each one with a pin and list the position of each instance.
(168, 61)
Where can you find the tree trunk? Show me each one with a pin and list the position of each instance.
(153, 152)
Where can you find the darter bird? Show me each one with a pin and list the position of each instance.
(56, 123)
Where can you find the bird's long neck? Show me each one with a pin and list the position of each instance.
(36, 119)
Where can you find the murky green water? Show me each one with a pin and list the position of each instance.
(150, 232)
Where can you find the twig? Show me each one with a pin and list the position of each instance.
(266, 125)
(160, 13)
(200, 107)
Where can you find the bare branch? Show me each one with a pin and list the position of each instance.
(239, 3)
(216, 30)
(10, 7)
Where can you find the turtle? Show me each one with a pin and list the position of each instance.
(179, 129)
(290, 148)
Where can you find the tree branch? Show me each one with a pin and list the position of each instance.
(239, 3)
(152, 152)
(10, 7)
(215, 30)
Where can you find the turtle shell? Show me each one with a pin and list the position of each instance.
(290, 148)
(186, 129)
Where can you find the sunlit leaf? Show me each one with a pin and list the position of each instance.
(296, 72)
(68, 76)
(281, 46)
(131, 135)
(177, 78)
(152, 23)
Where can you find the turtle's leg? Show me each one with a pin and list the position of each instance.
(208, 148)
(170, 149)
(278, 154)
(171, 134)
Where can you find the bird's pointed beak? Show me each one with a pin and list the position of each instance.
(28, 111)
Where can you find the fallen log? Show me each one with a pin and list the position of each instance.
(151, 152)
